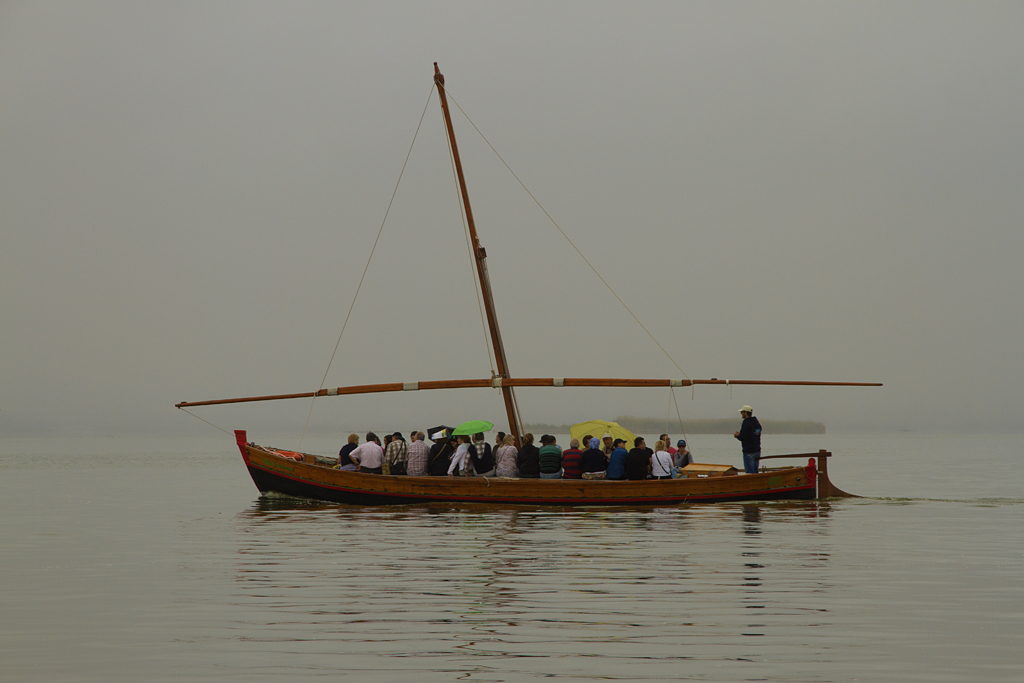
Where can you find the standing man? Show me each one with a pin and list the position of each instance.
(750, 439)
(668, 444)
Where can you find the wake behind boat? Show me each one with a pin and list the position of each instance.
(310, 476)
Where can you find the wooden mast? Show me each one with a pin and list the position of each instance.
(480, 255)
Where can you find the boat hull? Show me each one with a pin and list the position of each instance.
(308, 479)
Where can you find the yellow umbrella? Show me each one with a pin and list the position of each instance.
(599, 428)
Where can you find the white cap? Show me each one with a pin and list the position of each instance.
(747, 409)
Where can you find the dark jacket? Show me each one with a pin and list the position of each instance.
(528, 462)
(439, 460)
(617, 464)
(594, 460)
(750, 435)
(482, 462)
(638, 464)
(343, 458)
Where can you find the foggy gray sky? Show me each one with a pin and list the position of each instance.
(819, 191)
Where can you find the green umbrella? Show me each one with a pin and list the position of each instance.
(473, 427)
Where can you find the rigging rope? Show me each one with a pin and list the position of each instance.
(369, 258)
(571, 243)
(207, 422)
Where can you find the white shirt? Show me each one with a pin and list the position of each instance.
(661, 464)
(459, 459)
(368, 455)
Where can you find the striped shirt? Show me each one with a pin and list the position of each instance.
(572, 460)
(550, 459)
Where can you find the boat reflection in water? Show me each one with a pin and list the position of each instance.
(530, 590)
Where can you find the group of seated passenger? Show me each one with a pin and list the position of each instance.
(463, 456)
(642, 462)
(451, 455)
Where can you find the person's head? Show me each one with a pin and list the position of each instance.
(681, 443)
(618, 443)
(586, 439)
(479, 436)
(370, 436)
(547, 439)
(418, 436)
(388, 438)
(595, 442)
(664, 437)
(509, 440)
(659, 445)
(353, 438)
(746, 411)
(527, 438)
(462, 438)
(607, 438)
(398, 435)
(574, 443)
(638, 442)
(500, 438)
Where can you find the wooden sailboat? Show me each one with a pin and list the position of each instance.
(310, 476)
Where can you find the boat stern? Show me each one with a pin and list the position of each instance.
(819, 475)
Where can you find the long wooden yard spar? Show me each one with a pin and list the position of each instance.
(481, 268)
(500, 382)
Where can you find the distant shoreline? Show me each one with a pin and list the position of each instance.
(643, 425)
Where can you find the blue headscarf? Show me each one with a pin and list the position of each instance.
(595, 442)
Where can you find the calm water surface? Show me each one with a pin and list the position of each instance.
(130, 559)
